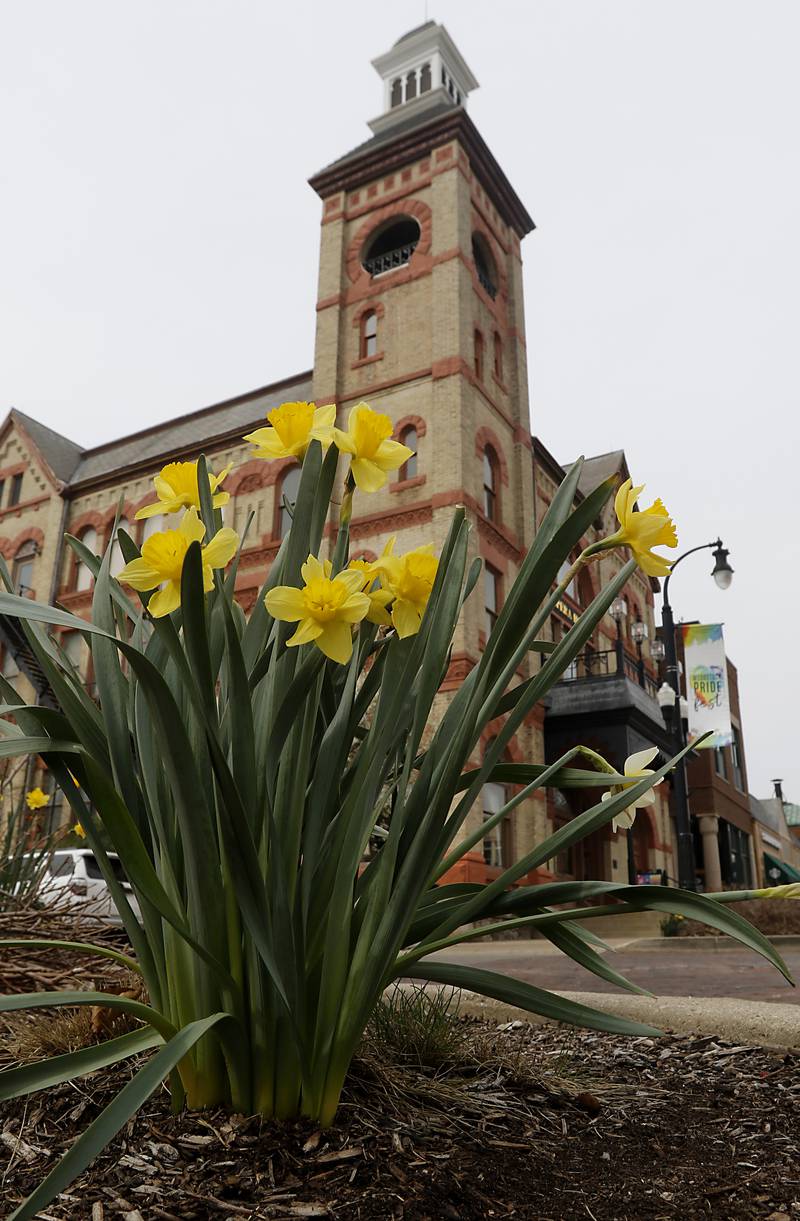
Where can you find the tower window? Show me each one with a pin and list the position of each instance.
(287, 491)
(411, 85)
(498, 357)
(425, 78)
(479, 356)
(391, 246)
(397, 92)
(490, 483)
(491, 595)
(16, 490)
(22, 575)
(495, 842)
(369, 334)
(409, 468)
(484, 264)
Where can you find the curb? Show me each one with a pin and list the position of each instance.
(770, 1024)
(781, 941)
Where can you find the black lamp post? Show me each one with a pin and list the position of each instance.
(618, 611)
(723, 575)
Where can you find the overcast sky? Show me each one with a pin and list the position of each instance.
(158, 242)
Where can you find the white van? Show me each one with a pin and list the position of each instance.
(75, 871)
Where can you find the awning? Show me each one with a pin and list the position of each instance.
(787, 872)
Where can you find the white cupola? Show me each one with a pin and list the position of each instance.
(423, 71)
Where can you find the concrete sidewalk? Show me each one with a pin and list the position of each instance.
(754, 1023)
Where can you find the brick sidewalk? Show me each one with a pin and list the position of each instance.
(735, 972)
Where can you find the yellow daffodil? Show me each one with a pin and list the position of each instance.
(36, 799)
(367, 442)
(161, 562)
(176, 489)
(324, 609)
(790, 891)
(79, 831)
(409, 578)
(292, 428)
(642, 531)
(379, 598)
(635, 767)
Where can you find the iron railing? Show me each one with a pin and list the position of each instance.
(611, 663)
(390, 260)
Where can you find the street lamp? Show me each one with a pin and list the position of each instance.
(638, 636)
(618, 611)
(657, 651)
(723, 575)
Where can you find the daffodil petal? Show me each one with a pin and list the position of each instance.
(405, 619)
(285, 603)
(222, 548)
(140, 575)
(156, 507)
(191, 526)
(165, 601)
(312, 570)
(368, 476)
(391, 454)
(344, 442)
(308, 630)
(336, 641)
(640, 759)
(354, 609)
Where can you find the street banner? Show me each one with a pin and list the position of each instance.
(707, 683)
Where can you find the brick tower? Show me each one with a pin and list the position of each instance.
(420, 313)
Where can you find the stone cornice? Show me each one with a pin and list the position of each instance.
(373, 160)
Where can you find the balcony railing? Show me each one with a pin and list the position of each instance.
(610, 663)
(387, 262)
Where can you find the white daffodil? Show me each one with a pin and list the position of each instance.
(635, 767)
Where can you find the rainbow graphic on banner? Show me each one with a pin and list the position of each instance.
(707, 683)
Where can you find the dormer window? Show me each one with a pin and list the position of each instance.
(391, 246)
(484, 264)
(397, 92)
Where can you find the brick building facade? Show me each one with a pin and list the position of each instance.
(420, 312)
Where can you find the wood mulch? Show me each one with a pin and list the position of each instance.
(562, 1125)
(526, 1122)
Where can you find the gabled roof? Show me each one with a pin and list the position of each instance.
(60, 454)
(210, 427)
(598, 468)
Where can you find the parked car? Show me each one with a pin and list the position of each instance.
(75, 872)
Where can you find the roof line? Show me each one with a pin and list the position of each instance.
(194, 415)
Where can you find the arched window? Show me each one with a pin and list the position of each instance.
(117, 561)
(392, 246)
(484, 264)
(490, 465)
(411, 85)
(84, 573)
(287, 491)
(498, 357)
(153, 525)
(369, 334)
(479, 356)
(397, 92)
(409, 437)
(425, 78)
(491, 596)
(497, 843)
(22, 574)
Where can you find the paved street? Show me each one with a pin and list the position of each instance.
(666, 972)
